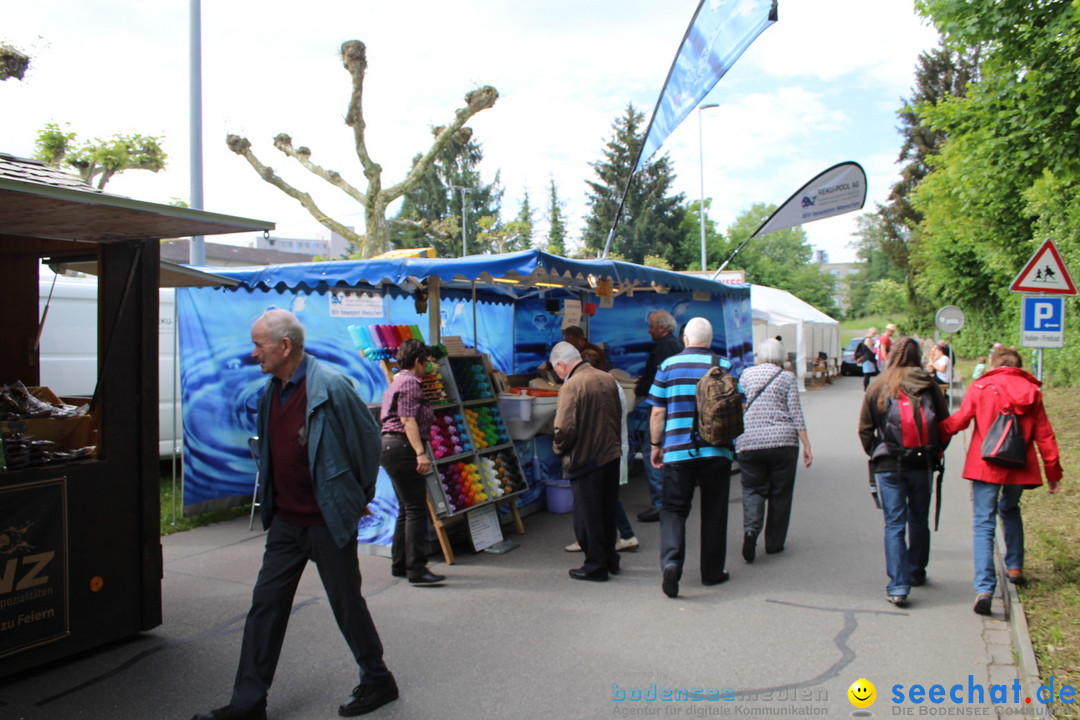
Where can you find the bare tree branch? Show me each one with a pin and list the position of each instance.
(375, 199)
(477, 100)
(303, 156)
(241, 146)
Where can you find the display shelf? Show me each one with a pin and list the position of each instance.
(475, 464)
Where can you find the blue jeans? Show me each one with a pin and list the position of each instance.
(655, 476)
(988, 501)
(905, 502)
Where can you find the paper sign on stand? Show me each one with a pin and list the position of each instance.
(484, 527)
(571, 313)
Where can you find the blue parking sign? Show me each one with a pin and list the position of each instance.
(1042, 322)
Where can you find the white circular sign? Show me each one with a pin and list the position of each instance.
(949, 319)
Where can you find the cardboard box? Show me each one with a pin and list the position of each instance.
(67, 432)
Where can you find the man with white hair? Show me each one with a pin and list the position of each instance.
(588, 436)
(318, 461)
(688, 462)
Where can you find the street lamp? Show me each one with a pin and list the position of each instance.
(701, 165)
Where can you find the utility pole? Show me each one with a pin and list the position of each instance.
(701, 166)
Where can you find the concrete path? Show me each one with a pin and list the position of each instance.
(511, 636)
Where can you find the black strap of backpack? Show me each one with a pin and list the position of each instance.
(763, 389)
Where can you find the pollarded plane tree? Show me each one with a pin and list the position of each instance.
(375, 198)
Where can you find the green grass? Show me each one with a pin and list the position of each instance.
(1052, 554)
(187, 523)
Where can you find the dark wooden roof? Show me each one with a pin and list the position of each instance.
(44, 203)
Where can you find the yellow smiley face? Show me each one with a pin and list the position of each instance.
(862, 693)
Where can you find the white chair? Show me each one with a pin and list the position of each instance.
(253, 445)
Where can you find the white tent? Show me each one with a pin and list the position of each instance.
(804, 330)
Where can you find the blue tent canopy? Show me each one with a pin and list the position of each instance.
(526, 269)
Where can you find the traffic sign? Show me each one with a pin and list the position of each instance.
(1042, 322)
(1045, 273)
(949, 319)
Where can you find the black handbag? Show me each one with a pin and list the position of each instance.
(1004, 443)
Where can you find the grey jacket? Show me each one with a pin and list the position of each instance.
(343, 450)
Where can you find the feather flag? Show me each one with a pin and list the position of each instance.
(719, 33)
(835, 191)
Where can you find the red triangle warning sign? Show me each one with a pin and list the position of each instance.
(1044, 274)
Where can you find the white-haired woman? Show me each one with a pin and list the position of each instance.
(768, 449)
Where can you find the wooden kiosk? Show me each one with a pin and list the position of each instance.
(80, 548)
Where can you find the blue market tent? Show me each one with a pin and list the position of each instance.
(509, 306)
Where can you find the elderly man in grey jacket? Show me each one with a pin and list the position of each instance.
(318, 461)
(588, 436)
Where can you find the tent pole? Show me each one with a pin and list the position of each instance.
(434, 309)
(475, 330)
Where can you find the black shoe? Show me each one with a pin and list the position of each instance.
(614, 570)
(982, 603)
(427, 578)
(773, 551)
(918, 580)
(749, 547)
(897, 600)
(650, 515)
(595, 576)
(231, 712)
(366, 698)
(397, 573)
(670, 584)
(721, 578)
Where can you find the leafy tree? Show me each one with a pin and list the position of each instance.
(940, 74)
(98, 161)
(1013, 135)
(525, 217)
(687, 255)
(874, 265)
(651, 220)
(515, 235)
(780, 259)
(556, 238)
(376, 198)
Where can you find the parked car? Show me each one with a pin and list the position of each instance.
(848, 364)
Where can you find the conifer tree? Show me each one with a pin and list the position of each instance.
(651, 218)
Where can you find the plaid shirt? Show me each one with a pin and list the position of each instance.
(405, 398)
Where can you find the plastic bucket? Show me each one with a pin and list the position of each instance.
(559, 498)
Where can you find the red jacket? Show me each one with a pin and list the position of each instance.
(1019, 389)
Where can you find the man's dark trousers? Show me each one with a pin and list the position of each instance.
(596, 494)
(288, 549)
(713, 476)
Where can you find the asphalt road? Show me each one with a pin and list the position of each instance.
(511, 636)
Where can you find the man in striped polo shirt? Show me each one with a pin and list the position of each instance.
(687, 464)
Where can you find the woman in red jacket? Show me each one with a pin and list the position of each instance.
(995, 489)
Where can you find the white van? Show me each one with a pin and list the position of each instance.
(68, 352)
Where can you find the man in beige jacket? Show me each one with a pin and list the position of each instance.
(588, 421)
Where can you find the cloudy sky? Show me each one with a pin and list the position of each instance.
(819, 87)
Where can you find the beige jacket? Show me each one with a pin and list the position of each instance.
(588, 420)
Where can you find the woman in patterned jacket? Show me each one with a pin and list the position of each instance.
(768, 449)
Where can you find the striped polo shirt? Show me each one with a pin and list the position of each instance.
(675, 390)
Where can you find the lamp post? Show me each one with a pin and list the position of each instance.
(701, 165)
